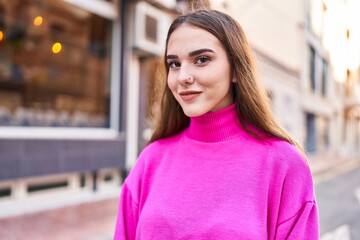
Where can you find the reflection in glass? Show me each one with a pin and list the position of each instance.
(56, 48)
(38, 21)
(40, 88)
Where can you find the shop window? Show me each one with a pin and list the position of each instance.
(311, 139)
(349, 88)
(82, 180)
(2, 18)
(108, 178)
(324, 77)
(347, 33)
(312, 68)
(99, 37)
(5, 192)
(323, 133)
(46, 186)
(54, 66)
(151, 28)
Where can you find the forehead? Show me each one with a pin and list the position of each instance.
(187, 38)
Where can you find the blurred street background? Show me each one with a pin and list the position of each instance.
(79, 87)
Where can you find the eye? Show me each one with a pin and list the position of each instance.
(173, 64)
(202, 60)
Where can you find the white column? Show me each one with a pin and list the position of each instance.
(19, 190)
(115, 76)
(74, 183)
(132, 116)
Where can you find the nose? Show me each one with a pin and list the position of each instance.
(185, 77)
(186, 80)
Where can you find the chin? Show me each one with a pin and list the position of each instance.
(193, 112)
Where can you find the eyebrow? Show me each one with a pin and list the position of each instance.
(191, 54)
(200, 51)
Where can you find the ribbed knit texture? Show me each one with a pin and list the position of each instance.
(216, 126)
(215, 181)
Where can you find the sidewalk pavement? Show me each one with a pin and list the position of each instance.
(322, 166)
(90, 221)
(96, 220)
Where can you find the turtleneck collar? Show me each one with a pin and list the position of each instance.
(221, 125)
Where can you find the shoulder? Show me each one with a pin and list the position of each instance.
(291, 171)
(285, 155)
(289, 168)
(148, 162)
(161, 145)
(291, 179)
(155, 152)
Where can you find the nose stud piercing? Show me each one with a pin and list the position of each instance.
(187, 80)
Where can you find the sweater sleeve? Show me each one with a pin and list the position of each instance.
(297, 210)
(128, 210)
(303, 225)
(127, 217)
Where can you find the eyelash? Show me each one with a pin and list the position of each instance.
(204, 60)
(170, 64)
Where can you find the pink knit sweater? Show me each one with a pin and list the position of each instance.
(215, 181)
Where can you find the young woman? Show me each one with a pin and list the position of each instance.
(218, 166)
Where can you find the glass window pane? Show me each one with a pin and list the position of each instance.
(54, 65)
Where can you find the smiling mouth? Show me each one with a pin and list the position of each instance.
(189, 95)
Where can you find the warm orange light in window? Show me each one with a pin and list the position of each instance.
(56, 48)
(1, 36)
(38, 21)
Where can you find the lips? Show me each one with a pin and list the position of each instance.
(189, 95)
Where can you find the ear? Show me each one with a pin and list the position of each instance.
(234, 80)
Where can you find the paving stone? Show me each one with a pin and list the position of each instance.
(93, 221)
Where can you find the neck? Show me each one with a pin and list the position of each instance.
(221, 125)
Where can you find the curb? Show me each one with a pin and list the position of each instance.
(334, 169)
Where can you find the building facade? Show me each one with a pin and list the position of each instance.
(300, 69)
(334, 43)
(62, 102)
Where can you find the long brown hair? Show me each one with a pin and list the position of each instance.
(252, 104)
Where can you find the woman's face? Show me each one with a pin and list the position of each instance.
(199, 71)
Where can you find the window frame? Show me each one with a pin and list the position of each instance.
(110, 11)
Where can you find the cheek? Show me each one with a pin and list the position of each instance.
(217, 82)
(220, 81)
(170, 83)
